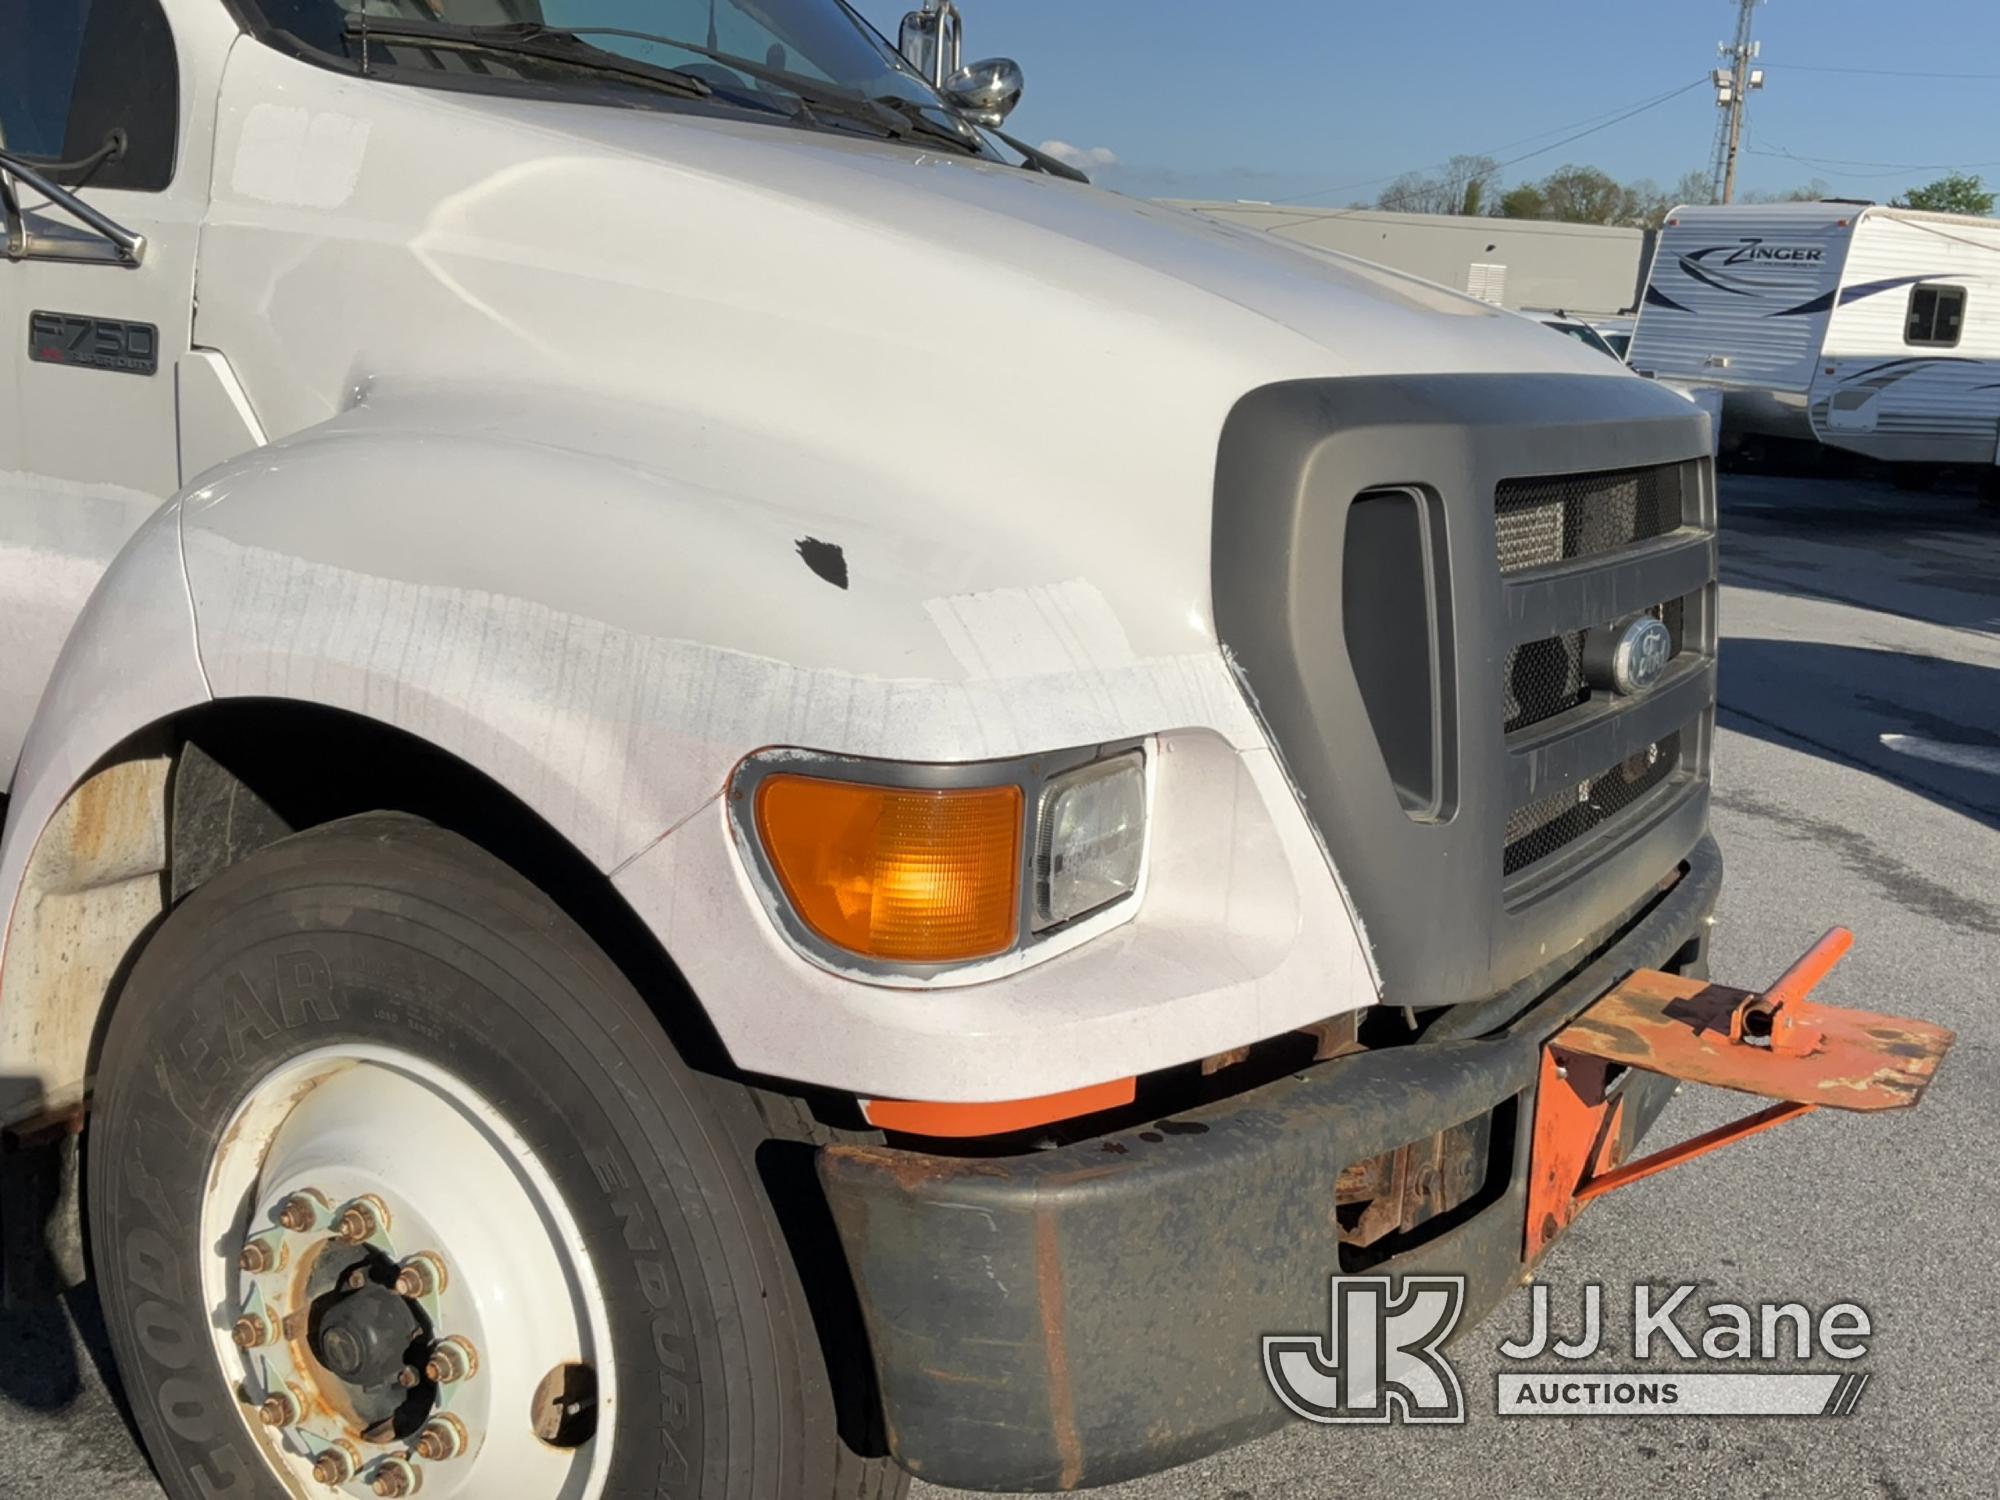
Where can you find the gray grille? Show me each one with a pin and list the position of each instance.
(1541, 828)
(1561, 516)
(1544, 678)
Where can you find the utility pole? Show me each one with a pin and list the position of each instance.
(1734, 83)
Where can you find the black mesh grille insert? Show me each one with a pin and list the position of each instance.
(1541, 828)
(1542, 679)
(1674, 614)
(1548, 520)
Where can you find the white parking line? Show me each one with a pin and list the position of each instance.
(1984, 758)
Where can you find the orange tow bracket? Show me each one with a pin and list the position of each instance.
(1775, 1043)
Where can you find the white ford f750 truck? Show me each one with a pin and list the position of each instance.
(716, 791)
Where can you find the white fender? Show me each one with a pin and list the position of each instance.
(80, 876)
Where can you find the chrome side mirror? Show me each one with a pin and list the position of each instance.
(986, 92)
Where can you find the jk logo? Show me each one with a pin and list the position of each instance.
(1380, 1360)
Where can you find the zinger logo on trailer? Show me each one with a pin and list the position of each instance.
(1754, 249)
(1750, 252)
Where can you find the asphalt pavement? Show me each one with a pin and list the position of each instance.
(1857, 780)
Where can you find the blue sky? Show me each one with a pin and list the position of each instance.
(1284, 97)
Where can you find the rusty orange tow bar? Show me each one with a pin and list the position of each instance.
(1774, 1043)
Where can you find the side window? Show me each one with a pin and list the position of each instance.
(1936, 317)
(73, 72)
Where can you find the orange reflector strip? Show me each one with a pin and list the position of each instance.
(915, 1117)
(898, 873)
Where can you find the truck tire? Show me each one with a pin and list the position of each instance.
(395, 1182)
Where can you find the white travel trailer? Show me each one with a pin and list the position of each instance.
(1871, 329)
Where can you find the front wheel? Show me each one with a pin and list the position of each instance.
(396, 1186)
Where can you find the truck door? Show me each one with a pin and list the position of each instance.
(90, 90)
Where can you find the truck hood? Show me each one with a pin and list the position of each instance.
(969, 376)
(953, 226)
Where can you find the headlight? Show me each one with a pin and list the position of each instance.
(912, 868)
(1090, 838)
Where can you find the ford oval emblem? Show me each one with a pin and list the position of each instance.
(1644, 648)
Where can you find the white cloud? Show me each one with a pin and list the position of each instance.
(1088, 158)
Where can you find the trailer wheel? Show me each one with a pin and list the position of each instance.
(396, 1184)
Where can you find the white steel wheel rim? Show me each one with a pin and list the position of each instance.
(451, 1179)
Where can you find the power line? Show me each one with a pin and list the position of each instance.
(1848, 161)
(1592, 129)
(1878, 72)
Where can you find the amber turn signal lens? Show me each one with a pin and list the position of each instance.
(898, 873)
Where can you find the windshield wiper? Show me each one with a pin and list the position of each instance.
(540, 42)
(912, 110)
(1040, 160)
(815, 97)
(892, 116)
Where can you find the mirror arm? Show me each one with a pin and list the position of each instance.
(131, 247)
(946, 28)
(10, 211)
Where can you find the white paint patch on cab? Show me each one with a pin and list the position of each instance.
(299, 158)
(1024, 632)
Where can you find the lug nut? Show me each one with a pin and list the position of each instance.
(282, 1410)
(298, 1213)
(451, 1361)
(420, 1276)
(360, 1220)
(442, 1437)
(396, 1478)
(410, 1378)
(256, 1258)
(333, 1467)
(355, 1279)
(251, 1332)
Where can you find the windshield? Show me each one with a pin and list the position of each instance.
(1583, 333)
(814, 41)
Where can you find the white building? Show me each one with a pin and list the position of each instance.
(1595, 270)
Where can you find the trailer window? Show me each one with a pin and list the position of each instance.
(1937, 315)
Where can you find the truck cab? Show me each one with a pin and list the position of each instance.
(708, 774)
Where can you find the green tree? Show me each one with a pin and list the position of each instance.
(1689, 188)
(1461, 181)
(1584, 195)
(1955, 193)
(1523, 202)
(1805, 192)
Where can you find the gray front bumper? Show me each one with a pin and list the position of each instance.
(1078, 1316)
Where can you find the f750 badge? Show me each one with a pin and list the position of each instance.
(93, 343)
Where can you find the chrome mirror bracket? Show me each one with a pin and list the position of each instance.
(114, 245)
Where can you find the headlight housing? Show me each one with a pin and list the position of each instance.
(1090, 839)
(908, 870)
